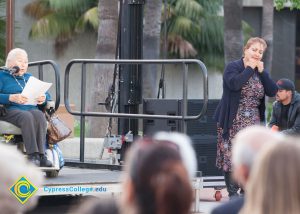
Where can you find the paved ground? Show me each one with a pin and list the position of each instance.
(207, 200)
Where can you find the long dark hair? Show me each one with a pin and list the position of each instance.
(160, 180)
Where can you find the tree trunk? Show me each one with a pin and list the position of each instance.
(267, 31)
(233, 36)
(151, 46)
(267, 34)
(106, 48)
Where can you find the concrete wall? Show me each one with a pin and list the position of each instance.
(174, 83)
(255, 3)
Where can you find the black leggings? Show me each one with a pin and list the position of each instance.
(232, 186)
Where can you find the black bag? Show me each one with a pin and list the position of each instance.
(57, 130)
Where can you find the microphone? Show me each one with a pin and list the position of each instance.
(13, 71)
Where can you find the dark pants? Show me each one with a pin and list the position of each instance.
(232, 187)
(33, 126)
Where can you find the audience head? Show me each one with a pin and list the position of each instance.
(13, 166)
(246, 145)
(274, 187)
(157, 180)
(186, 150)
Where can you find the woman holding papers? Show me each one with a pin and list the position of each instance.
(19, 112)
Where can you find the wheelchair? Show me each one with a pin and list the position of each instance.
(11, 134)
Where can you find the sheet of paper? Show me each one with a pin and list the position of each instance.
(35, 88)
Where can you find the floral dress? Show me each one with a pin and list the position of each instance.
(247, 115)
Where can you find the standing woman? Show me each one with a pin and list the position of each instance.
(245, 84)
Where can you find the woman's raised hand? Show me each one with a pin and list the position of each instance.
(255, 64)
(251, 63)
(260, 66)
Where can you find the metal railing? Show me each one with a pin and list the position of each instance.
(40, 66)
(82, 113)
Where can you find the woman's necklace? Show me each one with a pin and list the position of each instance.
(19, 82)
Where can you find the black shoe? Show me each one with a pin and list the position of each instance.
(44, 162)
(33, 158)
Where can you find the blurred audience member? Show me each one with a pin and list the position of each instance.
(157, 180)
(13, 166)
(187, 152)
(274, 186)
(246, 146)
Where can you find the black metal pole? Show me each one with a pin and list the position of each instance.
(130, 87)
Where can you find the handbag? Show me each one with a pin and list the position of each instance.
(57, 130)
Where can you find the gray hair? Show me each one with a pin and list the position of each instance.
(13, 166)
(249, 141)
(186, 149)
(12, 55)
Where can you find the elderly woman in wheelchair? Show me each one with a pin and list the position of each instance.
(28, 118)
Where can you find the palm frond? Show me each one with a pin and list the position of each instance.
(178, 46)
(76, 6)
(180, 25)
(195, 26)
(211, 6)
(53, 25)
(89, 18)
(61, 20)
(190, 8)
(37, 9)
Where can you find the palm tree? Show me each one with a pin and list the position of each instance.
(195, 29)
(2, 34)
(233, 36)
(267, 31)
(151, 45)
(106, 49)
(62, 20)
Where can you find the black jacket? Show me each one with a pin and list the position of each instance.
(234, 78)
(293, 115)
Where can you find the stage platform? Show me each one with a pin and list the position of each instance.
(100, 182)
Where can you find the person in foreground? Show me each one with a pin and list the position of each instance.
(273, 187)
(29, 118)
(157, 179)
(245, 84)
(286, 109)
(13, 166)
(246, 146)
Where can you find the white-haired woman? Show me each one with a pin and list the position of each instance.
(28, 118)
